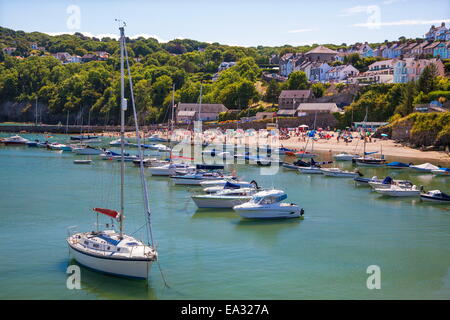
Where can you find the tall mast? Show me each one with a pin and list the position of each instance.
(200, 104)
(364, 133)
(123, 106)
(36, 112)
(173, 106)
(67, 121)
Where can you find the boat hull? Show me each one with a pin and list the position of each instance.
(129, 268)
(87, 151)
(307, 170)
(434, 199)
(396, 193)
(211, 202)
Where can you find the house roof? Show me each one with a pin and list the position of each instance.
(186, 113)
(331, 107)
(389, 62)
(205, 107)
(290, 94)
(321, 49)
(432, 45)
(286, 112)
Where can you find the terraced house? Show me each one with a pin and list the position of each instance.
(410, 69)
(442, 50)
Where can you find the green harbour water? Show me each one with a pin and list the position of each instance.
(214, 254)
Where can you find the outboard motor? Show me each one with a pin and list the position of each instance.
(253, 182)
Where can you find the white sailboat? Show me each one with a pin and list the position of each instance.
(111, 251)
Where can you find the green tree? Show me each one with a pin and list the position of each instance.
(272, 92)
(297, 80)
(428, 79)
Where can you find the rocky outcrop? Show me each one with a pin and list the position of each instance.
(421, 130)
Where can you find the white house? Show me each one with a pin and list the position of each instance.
(340, 73)
(225, 65)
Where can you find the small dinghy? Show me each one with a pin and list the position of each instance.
(435, 196)
(82, 161)
(398, 165)
(425, 167)
(336, 172)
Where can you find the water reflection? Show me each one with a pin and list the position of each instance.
(106, 286)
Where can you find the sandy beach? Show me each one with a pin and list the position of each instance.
(390, 148)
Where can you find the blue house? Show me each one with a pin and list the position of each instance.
(442, 50)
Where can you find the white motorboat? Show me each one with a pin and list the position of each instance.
(151, 162)
(219, 185)
(345, 156)
(310, 170)
(267, 205)
(387, 182)
(441, 172)
(196, 177)
(59, 146)
(15, 140)
(117, 143)
(337, 172)
(435, 196)
(87, 150)
(425, 167)
(170, 169)
(396, 191)
(226, 198)
(110, 251)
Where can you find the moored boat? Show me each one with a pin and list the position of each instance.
(267, 205)
(15, 140)
(87, 150)
(397, 191)
(226, 198)
(435, 196)
(345, 156)
(424, 167)
(397, 165)
(110, 251)
(337, 172)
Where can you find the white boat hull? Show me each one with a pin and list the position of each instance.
(118, 267)
(87, 151)
(309, 170)
(398, 193)
(345, 157)
(210, 202)
(267, 211)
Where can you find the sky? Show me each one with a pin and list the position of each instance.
(232, 22)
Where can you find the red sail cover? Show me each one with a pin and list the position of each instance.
(108, 212)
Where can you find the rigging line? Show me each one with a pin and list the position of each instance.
(141, 153)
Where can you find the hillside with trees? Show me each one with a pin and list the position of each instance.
(28, 74)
